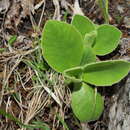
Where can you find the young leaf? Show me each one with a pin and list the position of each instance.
(107, 39)
(74, 73)
(86, 104)
(105, 73)
(88, 56)
(83, 24)
(90, 38)
(62, 45)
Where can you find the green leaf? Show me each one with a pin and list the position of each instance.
(74, 73)
(87, 104)
(83, 24)
(2, 50)
(99, 105)
(88, 56)
(103, 4)
(107, 39)
(39, 124)
(90, 38)
(16, 96)
(105, 73)
(10, 116)
(12, 39)
(62, 45)
(62, 121)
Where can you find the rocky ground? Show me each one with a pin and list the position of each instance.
(31, 93)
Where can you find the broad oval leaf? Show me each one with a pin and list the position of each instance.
(107, 39)
(87, 104)
(105, 73)
(62, 45)
(88, 56)
(83, 24)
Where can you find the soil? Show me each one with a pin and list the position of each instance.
(23, 87)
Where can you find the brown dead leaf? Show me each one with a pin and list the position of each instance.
(13, 15)
(57, 10)
(4, 5)
(28, 7)
(38, 5)
(19, 9)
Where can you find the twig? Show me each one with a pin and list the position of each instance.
(39, 24)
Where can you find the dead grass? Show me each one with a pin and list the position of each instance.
(29, 90)
(21, 95)
(30, 93)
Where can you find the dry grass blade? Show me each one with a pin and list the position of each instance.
(28, 7)
(13, 68)
(35, 105)
(8, 104)
(7, 56)
(61, 91)
(4, 5)
(77, 9)
(85, 126)
(4, 78)
(42, 2)
(57, 10)
(48, 90)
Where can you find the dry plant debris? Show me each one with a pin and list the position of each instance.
(28, 92)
